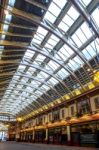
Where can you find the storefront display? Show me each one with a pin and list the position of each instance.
(57, 135)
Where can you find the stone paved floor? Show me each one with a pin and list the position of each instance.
(26, 146)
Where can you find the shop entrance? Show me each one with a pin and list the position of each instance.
(3, 135)
(40, 136)
(57, 135)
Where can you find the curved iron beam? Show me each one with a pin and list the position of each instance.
(23, 90)
(38, 80)
(48, 26)
(29, 85)
(44, 54)
(45, 71)
(86, 16)
(30, 106)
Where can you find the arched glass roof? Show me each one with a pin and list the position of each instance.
(58, 52)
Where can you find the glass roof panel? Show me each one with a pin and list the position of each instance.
(54, 9)
(53, 81)
(73, 13)
(63, 73)
(42, 31)
(53, 65)
(46, 88)
(40, 58)
(60, 3)
(68, 20)
(68, 49)
(50, 17)
(86, 30)
(82, 38)
(63, 26)
(29, 54)
(95, 16)
(43, 74)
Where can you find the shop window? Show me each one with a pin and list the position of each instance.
(84, 107)
(63, 113)
(96, 100)
(72, 110)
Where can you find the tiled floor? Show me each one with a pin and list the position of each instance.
(26, 146)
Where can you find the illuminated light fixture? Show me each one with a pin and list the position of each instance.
(85, 117)
(63, 122)
(77, 92)
(81, 65)
(70, 61)
(94, 71)
(52, 104)
(91, 85)
(67, 97)
(6, 12)
(36, 112)
(96, 116)
(58, 101)
(7, 125)
(19, 119)
(73, 120)
(45, 107)
(88, 69)
(96, 76)
(40, 109)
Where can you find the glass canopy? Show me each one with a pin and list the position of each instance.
(61, 57)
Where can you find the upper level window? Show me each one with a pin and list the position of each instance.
(83, 106)
(40, 120)
(49, 117)
(63, 113)
(56, 115)
(96, 100)
(72, 110)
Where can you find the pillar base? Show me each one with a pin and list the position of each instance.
(33, 141)
(17, 140)
(69, 143)
(46, 142)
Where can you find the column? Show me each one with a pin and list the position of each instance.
(46, 136)
(68, 135)
(24, 136)
(33, 138)
(17, 137)
(17, 132)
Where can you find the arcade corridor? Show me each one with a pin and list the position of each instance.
(49, 74)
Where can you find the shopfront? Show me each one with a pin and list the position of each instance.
(26, 136)
(22, 136)
(57, 135)
(40, 136)
(85, 134)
